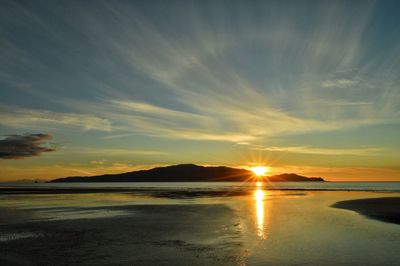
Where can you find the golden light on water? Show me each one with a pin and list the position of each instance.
(259, 196)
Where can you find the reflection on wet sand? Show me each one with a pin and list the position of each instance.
(214, 226)
(259, 195)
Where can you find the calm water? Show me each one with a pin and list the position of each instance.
(351, 186)
(274, 227)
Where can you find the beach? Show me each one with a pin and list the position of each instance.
(253, 226)
(139, 235)
(385, 209)
(199, 133)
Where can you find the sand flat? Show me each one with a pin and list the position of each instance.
(151, 235)
(258, 227)
(385, 209)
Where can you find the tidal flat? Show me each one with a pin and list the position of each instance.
(253, 226)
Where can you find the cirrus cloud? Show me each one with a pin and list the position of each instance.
(364, 151)
(338, 83)
(14, 116)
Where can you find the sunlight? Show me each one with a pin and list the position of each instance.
(260, 170)
(259, 195)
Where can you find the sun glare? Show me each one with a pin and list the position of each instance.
(260, 170)
(259, 195)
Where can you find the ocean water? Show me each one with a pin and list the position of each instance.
(339, 186)
(269, 224)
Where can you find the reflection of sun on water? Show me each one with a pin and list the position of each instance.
(259, 195)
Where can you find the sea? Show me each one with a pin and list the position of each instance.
(194, 223)
(334, 186)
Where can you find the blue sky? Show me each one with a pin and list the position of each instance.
(305, 86)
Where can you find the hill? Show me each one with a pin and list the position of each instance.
(292, 178)
(183, 173)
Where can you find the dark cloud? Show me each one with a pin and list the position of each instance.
(22, 146)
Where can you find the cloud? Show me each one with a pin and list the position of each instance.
(13, 116)
(205, 88)
(228, 120)
(23, 146)
(98, 162)
(233, 74)
(348, 103)
(338, 83)
(111, 152)
(324, 151)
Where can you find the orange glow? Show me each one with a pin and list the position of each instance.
(260, 170)
(259, 195)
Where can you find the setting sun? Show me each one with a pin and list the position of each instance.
(260, 170)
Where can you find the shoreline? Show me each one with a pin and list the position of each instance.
(234, 191)
(385, 209)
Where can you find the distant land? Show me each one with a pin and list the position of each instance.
(186, 173)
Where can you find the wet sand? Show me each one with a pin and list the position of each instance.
(165, 192)
(154, 192)
(192, 226)
(146, 235)
(384, 209)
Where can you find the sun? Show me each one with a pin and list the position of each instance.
(260, 170)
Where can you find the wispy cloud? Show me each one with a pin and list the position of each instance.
(324, 151)
(110, 152)
(338, 83)
(232, 74)
(210, 119)
(13, 116)
(200, 91)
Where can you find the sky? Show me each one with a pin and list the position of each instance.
(93, 87)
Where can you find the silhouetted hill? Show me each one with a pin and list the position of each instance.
(292, 178)
(182, 173)
(174, 173)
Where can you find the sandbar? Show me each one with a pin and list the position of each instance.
(385, 209)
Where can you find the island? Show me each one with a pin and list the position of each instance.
(186, 173)
(293, 178)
